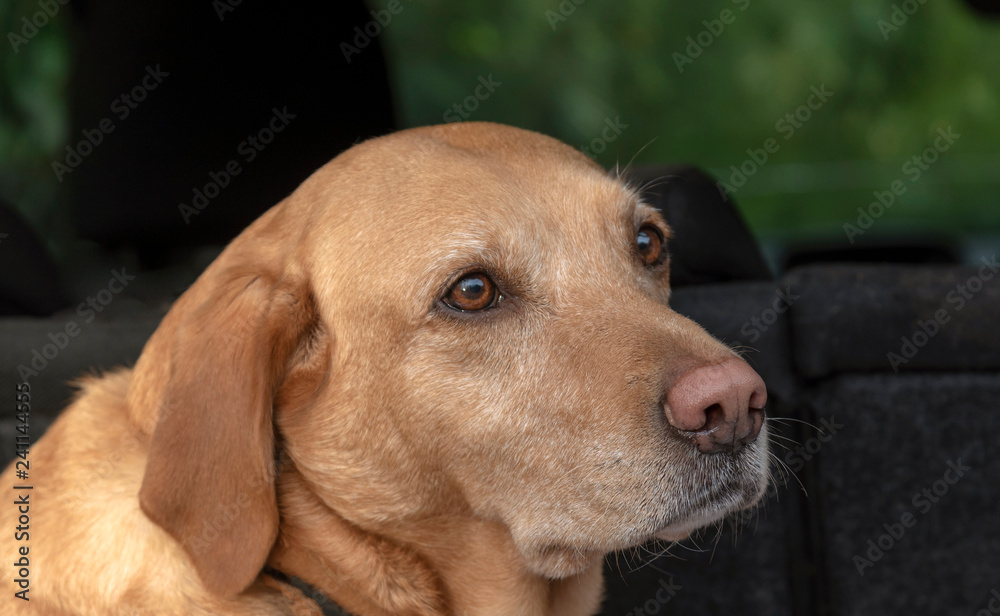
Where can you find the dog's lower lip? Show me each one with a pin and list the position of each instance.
(717, 497)
(694, 433)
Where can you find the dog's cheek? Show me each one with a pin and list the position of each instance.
(549, 441)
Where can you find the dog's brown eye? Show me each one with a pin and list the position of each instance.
(473, 292)
(649, 243)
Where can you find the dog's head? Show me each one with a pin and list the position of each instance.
(462, 320)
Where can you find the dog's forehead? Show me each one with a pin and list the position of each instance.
(528, 202)
(497, 141)
(536, 171)
(446, 178)
(432, 199)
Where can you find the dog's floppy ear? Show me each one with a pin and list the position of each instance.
(205, 387)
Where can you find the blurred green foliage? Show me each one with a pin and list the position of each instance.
(893, 88)
(567, 69)
(33, 112)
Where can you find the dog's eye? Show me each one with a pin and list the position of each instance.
(649, 243)
(473, 292)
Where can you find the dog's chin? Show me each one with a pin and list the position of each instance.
(558, 561)
(707, 505)
(743, 498)
(678, 531)
(561, 561)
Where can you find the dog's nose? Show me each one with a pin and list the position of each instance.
(720, 406)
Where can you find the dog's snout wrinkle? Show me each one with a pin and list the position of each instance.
(718, 406)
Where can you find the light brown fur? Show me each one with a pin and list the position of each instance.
(310, 405)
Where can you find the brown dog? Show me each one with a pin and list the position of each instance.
(441, 377)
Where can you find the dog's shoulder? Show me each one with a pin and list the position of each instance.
(90, 547)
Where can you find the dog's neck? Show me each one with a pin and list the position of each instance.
(439, 567)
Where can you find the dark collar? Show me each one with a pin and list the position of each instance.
(329, 607)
